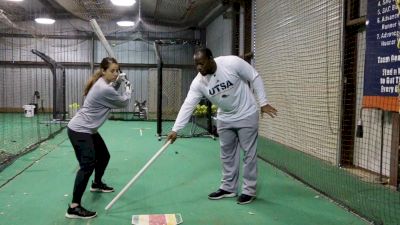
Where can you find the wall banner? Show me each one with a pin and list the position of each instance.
(382, 57)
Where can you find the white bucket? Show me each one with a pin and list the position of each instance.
(29, 110)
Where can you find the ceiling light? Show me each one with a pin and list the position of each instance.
(123, 2)
(15, 0)
(125, 23)
(44, 20)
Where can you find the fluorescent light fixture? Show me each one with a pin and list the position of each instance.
(125, 23)
(15, 0)
(44, 20)
(123, 2)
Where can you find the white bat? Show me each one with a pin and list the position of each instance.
(101, 37)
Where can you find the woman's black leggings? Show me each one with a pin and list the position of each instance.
(92, 155)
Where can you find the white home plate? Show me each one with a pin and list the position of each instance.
(157, 219)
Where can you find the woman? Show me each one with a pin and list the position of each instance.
(90, 149)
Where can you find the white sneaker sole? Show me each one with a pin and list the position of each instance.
(100, 190)
(72, 216)
(230, 195)
(246, 202)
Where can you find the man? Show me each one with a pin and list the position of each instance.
(225, 82)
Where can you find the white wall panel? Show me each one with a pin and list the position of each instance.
(297, 52)
(219, 36)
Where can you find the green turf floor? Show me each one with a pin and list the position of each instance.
(178, 182)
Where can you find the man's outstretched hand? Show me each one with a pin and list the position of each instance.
(171, 136)
(268, 109)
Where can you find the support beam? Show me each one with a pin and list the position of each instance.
(394, 152)
(88, 64)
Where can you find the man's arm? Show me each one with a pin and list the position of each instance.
(247, 72)
(192, 99)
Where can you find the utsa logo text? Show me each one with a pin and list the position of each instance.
(220, 87)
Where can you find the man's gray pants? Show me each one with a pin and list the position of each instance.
(234, 136)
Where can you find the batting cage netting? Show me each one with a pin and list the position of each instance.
(43, 72)
(330, 67)
(32, 105)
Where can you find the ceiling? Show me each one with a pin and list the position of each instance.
(179, 13)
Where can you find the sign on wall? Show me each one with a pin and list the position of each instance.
(382, 58)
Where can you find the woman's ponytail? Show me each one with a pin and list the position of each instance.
(91, 81)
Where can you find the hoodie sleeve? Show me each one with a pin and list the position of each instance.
(114, 99)
(247, 73)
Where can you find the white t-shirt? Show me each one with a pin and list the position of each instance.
(228, 88)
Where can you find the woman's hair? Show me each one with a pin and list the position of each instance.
(105, 63)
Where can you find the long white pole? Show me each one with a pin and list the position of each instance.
(138, 175)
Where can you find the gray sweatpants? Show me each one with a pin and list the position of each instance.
(234, 136)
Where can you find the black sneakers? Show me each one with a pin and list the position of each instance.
(221, 194)
(101, 187)
(79, 213)
(245, 199)
(242, 199)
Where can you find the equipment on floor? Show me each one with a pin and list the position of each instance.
(157, 219)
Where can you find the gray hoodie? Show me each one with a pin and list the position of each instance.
(98, 103)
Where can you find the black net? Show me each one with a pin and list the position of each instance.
(172, 88)
(27, 111)
(331, 69)
(58, 88)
